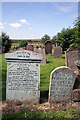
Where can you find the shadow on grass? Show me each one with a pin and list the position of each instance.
(63, 57)
(4, 85)
(47, 61)
(44, 96)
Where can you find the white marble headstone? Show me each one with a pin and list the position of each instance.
(23, 76)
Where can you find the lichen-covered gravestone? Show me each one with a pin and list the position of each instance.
(61, 84)
(23, 76)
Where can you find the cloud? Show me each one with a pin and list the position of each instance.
(15, 25)
(65, 9)
(1, 25)
(30, 28)
(24, 21)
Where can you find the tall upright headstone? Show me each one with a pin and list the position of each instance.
(23, 76)
(48, 47)
(61, 84)
(58, 52)
(71, 56)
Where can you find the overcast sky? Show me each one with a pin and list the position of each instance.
(31, 20)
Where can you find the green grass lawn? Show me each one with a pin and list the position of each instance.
(45, 71)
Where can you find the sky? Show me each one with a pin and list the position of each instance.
(32, 20)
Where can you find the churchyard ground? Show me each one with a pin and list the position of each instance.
(43, 110)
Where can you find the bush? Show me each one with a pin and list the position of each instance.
(23, 43)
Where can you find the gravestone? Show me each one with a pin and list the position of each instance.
(48, 47)
(44, 57)
(61, 84)
(41, 51)
(58, 52)
(71, 56)
(29, 47)
(23, 76)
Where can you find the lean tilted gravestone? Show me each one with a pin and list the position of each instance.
(58, 52)
(23, 76)
(61, 84)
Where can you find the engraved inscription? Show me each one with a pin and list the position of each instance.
(22, 76)
(62, 84)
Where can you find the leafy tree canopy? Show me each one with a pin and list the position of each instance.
(23, 43)
(6, 42)
(54, 39)
(45, 38)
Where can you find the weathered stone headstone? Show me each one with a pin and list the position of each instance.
(44, 57)
(29, 47)
(48, 47)
(41, 51)
(71, 56)
(61, 84)
(58, 52)
(23, 76)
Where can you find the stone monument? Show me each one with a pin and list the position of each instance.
(61, 84)
(71, 56)
(48, 47)
(58, 52)
(23, 76)
(29, 47)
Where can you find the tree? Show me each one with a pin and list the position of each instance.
(77, 32)
(45, 38)
(6, 42)
(66, 38)
(53, 40)
(23, 43)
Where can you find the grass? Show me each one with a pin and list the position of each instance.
(34, 115)
(45, 71)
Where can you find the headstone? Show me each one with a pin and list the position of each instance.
(53, 46)
(21, 48)
(23, 76)
(71, 57)
(58, 52)
(41, 51)
(44, 57)
(48, 47)
(61, 84)
(29, 47)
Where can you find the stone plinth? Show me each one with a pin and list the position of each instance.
(61, 84)
(23, 76)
